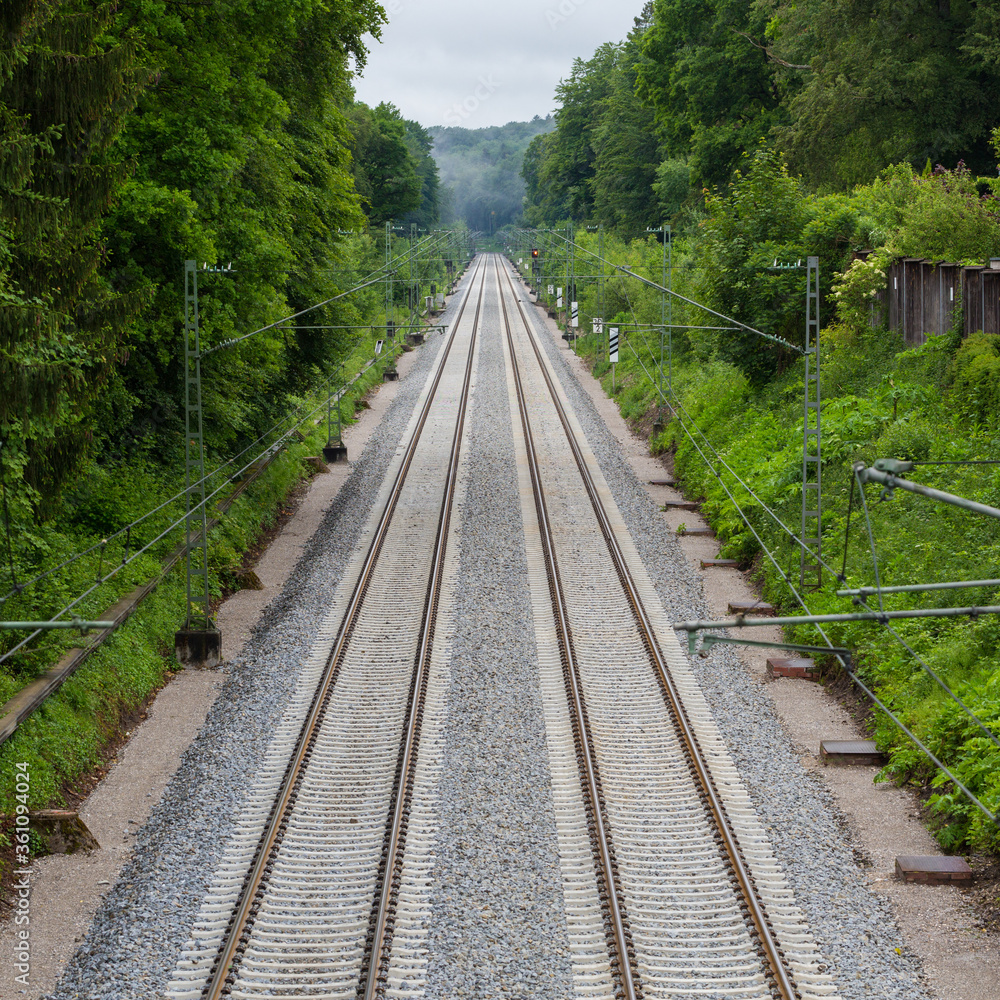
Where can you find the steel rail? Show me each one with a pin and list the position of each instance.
(782, 979)
(374, 970)
(237, 932)
(621, 943)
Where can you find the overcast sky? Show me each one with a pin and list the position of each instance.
(476, 63)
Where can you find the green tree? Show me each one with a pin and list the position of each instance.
(65, 88)
(767, 215)
(569, 163)
(420, 144)
(242, 153)
(707, 75)
(626, 149)
(385, 173)
(543, 206)
(888, 81)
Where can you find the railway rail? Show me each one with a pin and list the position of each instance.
(670, 885)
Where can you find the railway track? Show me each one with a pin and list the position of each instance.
(687, 912)
(290, 912)
(669, 884)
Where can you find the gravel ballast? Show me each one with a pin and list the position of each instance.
(497, 927)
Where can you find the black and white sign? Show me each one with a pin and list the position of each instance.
(378, 347)
(575, 314)
(613, 344)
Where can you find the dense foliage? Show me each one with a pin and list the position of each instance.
(143, 133)
(735, 396)
(134, 136)
(843, 89)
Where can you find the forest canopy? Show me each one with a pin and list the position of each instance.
(843, 90)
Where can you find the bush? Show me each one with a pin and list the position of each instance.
(976, 379)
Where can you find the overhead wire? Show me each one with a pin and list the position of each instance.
(172, 527)
(373, 278)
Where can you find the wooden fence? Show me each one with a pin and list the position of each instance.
(921, 295)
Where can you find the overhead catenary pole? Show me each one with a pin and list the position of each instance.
(194, 458)
(571, 306)
(810, 553)
(414, 297)
(199, 641)
(388, 276)
(600, 279)
(665, 289)
(670, 312)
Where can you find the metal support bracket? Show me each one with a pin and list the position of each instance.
(885, 472)
(708, 641)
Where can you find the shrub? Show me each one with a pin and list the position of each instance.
(976, 379)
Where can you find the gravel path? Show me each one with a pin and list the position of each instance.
(146, 918)
(498, 928)
(853, 926)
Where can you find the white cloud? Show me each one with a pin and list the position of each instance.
(447, 62)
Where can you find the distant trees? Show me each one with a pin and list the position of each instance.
(481, 170)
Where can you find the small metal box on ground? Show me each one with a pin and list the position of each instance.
(850, 752)
(933, 870)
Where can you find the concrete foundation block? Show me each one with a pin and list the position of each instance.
(195, 647)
